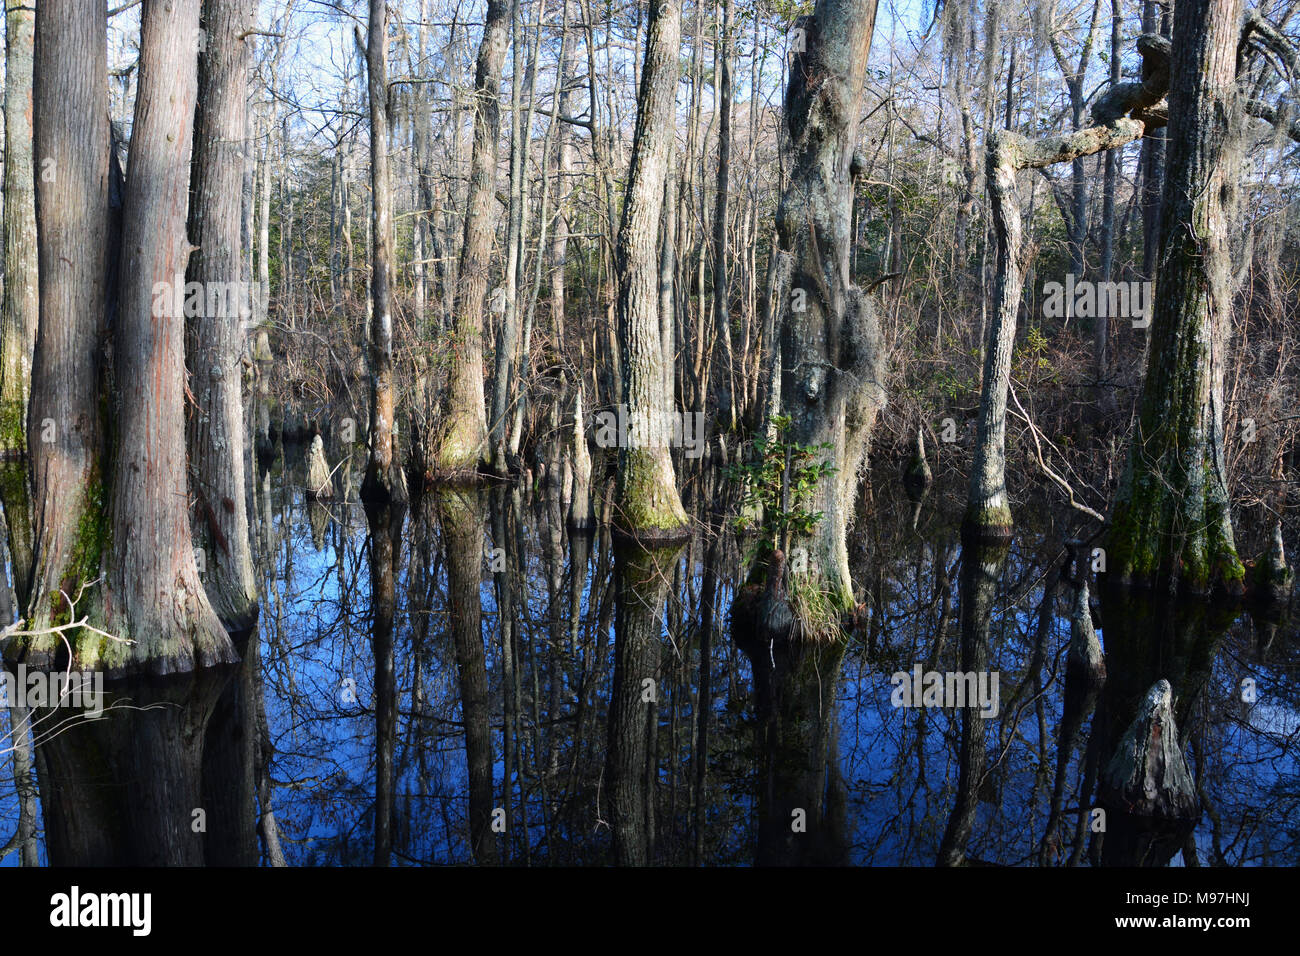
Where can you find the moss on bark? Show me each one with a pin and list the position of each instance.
(988, 521)
(649, 507)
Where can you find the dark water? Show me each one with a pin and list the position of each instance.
(495, 750)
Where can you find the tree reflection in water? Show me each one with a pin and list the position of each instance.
(444, 686)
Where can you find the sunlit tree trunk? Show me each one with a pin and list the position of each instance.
(462, 440)
(1152, 163)
(832, 355)
(1121, 115)
(385, 480)
(215, 338)
(567, 156)
(648, 509)
(70, 96)
(143, 809)
(1101, 331)
(157, 599)
(721, 267)
(648, 504)
(21, 293)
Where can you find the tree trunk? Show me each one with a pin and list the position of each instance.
(215, 342)
(144, 808)
(567, 71)
(70, 97)
(462, 440)
(508, 368)
(21, 291)
(649, 506)
(721, 301)
(1153, 158)
(1121, 115)
(832, 355)
(155, 595)
(1101, 332)
(385, 480)
(1171, 522)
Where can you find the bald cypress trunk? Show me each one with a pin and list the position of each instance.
(125, 789)
(215, 342)
(384, 480)
(461, 443)
(832, 356)
(648, 504)
(21, 301)
(70, 104)
(155, 595)
(648, 509)
(1171, 523)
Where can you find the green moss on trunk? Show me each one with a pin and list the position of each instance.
(649, 506)
(988, 522)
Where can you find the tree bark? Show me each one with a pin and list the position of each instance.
(1171, 522)
(70, 105)
(832, 354)
(1121, 115)
(384, 480)
(649, 506)
(21, 291)
(155, 595)
(462, 440)
(215, 342)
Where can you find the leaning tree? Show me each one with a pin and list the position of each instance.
(1126, 112)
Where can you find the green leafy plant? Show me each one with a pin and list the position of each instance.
(777, 485)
